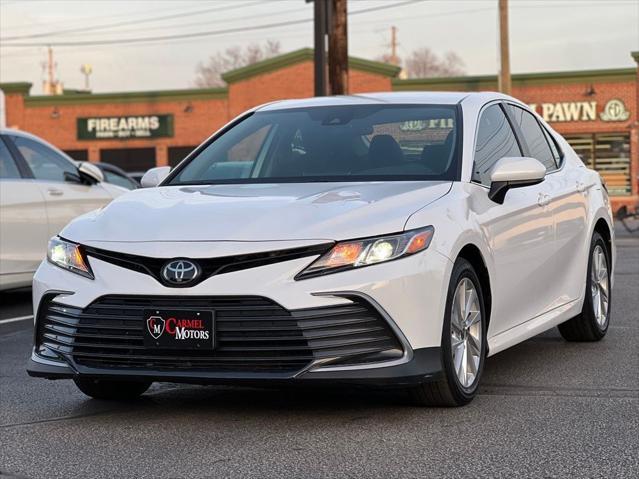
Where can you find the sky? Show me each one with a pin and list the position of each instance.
(546, 35)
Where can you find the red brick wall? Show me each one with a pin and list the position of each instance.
(14, 109)
(294, 81)
(365, 82)
(189, 128)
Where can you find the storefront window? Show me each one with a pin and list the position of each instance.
(78, 155)
(609, 154)
(129, 159)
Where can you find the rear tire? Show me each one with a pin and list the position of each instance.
(112, 390)
(592, 323)
(460, 339)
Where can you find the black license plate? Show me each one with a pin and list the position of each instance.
(178, 329)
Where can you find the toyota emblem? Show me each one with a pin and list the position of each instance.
(180, 272)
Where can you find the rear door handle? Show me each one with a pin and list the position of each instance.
(543, 199)
(581, 187)
(55, 192)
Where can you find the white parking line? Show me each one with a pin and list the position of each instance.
(13, 320)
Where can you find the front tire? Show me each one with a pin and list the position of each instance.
(112, 390)
(463, 343)
(592, 323)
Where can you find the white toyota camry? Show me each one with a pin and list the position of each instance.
(393, 239)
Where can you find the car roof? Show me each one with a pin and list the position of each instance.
(42, 141)
(392, 98)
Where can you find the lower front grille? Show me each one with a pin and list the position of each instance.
(253, 334)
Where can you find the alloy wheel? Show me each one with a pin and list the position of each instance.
(466, 332)
(599, 285)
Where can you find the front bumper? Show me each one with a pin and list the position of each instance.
(425, 365)
(407, 294)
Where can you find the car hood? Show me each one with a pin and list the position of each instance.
(257, 212)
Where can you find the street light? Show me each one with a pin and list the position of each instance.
(86, 70)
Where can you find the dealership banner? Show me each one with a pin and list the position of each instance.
(123, 127)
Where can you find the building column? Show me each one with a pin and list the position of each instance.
(634, 139)
(161, 156)
(634, 157)
(94, 154)
(14, 94)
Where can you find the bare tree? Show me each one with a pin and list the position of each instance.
(423, 63)
(386, 58)
(209, 74)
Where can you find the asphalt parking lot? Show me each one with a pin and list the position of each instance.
(547, 408)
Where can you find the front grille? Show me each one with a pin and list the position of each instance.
(253, 334)
(210, 266)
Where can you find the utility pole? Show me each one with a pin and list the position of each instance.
(320, 25)
(394, 59)
(50, 67)
(338, 48)
(50, 86)
(504, 50)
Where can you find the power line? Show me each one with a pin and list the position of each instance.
(69, 22)
(131, 22)
(162, 38)
(205, 22)
(202, 34)
(35, 49)
(517, 5)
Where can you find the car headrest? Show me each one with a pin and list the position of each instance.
(384, 151)
(435, 157)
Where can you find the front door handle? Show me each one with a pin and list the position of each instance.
(55, 192)
(543, 199)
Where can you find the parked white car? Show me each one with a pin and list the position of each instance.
(388, 239)
(41, 190)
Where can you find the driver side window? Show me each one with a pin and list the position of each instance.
(495, 140)
(45, 163)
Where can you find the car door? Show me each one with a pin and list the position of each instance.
(519, 231)
(23, 220)
(57, 177)
(567, 199)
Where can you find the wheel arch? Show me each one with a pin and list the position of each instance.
(603, 228)
(471, 253)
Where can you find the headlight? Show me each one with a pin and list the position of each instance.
(347, 255)
(68, 256)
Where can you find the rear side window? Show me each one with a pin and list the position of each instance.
(534, 137)
(495, 140)
(553, 146)
(8, 168)
(45, 163)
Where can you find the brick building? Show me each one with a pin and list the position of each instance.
(597, 111)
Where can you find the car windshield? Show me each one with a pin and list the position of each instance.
(331, 143)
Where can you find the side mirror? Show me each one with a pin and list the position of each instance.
(90, 172)
(155, 176)
(514, 172)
